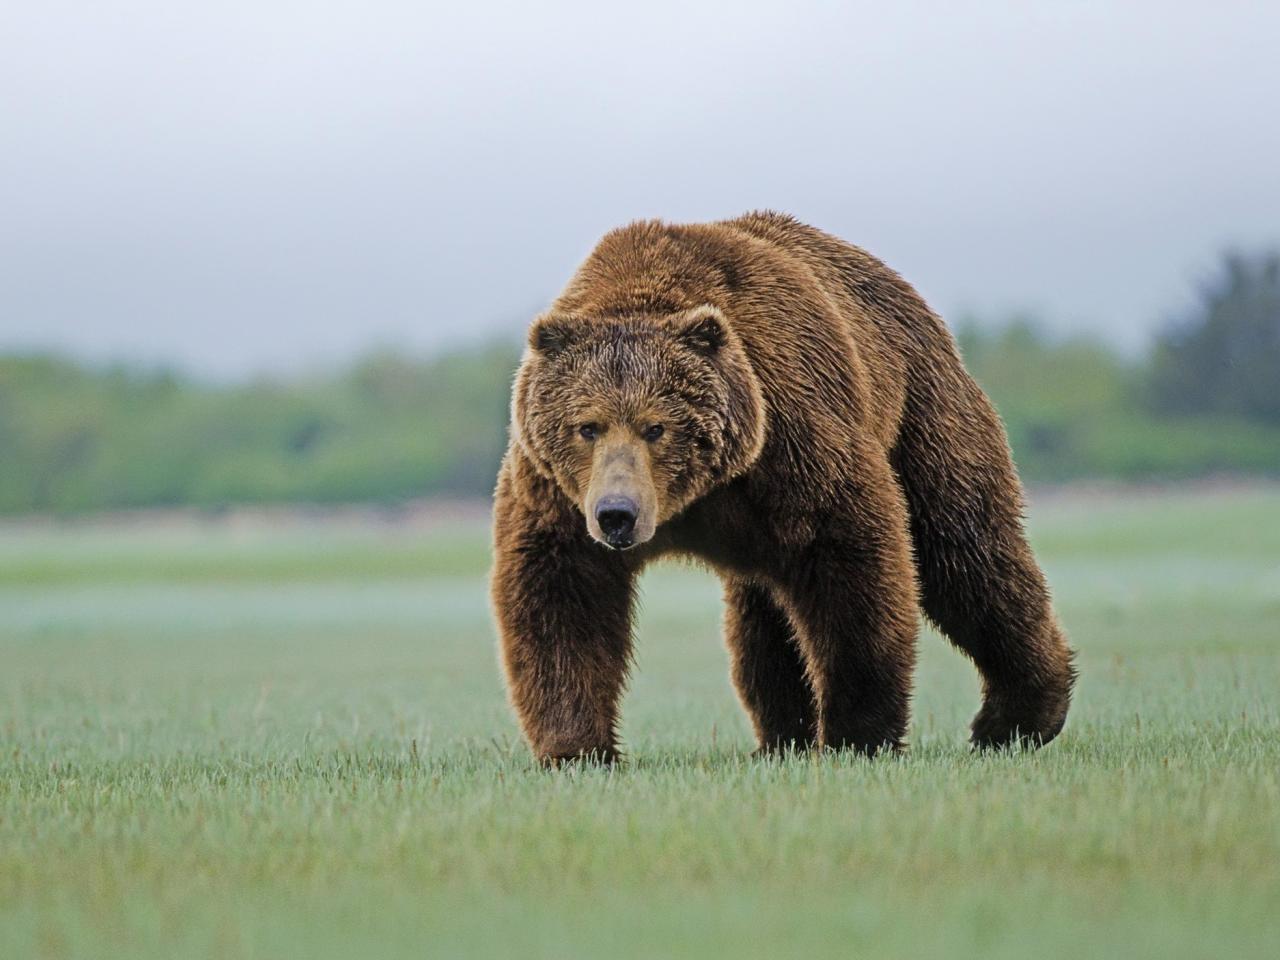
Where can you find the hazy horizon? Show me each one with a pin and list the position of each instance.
(242, 189)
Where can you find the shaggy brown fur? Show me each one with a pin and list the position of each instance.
(782, 406)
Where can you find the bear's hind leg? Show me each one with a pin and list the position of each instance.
(768, 671)
(979, 582)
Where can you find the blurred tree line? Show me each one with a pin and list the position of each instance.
(1204, 400)
(74, 438)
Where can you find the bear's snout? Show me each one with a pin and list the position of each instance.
(617, 518)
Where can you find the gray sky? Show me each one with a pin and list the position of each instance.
(249, 186)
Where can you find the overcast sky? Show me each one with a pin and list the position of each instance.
(248, 186)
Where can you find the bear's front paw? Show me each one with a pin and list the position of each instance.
(784, 746)
(602, 756)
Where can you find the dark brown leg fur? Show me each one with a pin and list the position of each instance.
(768, 671)
(852, 597)
(564, 611)
(979, 580)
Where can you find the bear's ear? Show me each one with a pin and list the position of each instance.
(705, 333)
(550, 334)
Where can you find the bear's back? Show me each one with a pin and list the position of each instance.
(821, 318)
(861, 285)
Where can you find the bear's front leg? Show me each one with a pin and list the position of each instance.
(768, 669)
(851, 594)
(563, 606)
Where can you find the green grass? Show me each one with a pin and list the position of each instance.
(277, 741)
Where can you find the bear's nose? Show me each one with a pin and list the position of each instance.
(617, 518)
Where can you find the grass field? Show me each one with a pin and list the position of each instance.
(289, 739)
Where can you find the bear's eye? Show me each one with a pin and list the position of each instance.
(654, 432)
(588, 431)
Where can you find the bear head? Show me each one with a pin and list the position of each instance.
(636, 415)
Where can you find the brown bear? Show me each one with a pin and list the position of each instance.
(781, 406)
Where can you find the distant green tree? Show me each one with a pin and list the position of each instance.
(1050, 392)
(1072, 408)
(1225, 358)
